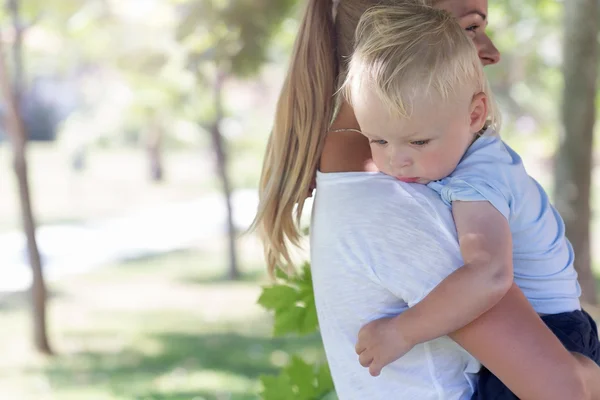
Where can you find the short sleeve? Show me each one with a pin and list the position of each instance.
(489, 171)
(456, 189)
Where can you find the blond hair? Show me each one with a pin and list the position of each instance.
(304, 113)
(413, 51)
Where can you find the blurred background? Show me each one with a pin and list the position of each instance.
(146, 123)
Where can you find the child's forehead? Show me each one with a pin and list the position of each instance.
(425, 121)
(416, 102)
(378, 117)
(427, 111)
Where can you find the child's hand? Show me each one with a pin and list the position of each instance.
(380, 342)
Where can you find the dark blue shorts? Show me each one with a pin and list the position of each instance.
(576, 330)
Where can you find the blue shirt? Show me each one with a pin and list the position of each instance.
(542, 256)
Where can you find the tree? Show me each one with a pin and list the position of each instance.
(527, 82)
(177, 70)
(221, 163)
(18, 137)
(145, 60)
(574, 158)
(226, 39)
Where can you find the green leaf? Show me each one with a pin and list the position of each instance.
(277, 387)
(288, 320)
(278, 297)
(306, 271)
(330, 396)
(324, 380)
(281, 274)
(306, 275)
(300, 380)
(310, 323)
(302, 376)
(294, 304)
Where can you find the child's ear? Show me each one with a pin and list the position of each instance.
(478, 112)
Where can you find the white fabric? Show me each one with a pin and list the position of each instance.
(379, 246)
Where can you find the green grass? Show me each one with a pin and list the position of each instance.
(161, 328)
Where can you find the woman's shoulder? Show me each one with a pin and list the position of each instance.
(376, 196)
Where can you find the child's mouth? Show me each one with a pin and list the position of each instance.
(407, 180)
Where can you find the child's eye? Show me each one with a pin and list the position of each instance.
(419, 142)
(380, 142)
(472, 28)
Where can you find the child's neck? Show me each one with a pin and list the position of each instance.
(479, 134)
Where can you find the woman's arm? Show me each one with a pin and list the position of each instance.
(513, 342)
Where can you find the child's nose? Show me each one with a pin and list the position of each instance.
(400, 162)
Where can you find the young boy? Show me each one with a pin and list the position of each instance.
(420, 96)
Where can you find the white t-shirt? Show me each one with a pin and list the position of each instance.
(378, 246)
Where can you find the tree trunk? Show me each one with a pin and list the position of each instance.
(221, 158)
(154, 149)
(574, 159)
(16, 131)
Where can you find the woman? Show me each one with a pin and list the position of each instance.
(361, 273)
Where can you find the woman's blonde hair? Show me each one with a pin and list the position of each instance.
(413, 51)
(303, 115)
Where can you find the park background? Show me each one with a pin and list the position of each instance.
(146, 122)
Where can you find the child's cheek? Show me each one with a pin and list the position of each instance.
(433, 162)
(426, 162)
(380, 159)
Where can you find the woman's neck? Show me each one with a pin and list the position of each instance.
(346, 150)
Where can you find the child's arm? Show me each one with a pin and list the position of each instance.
(486, 246)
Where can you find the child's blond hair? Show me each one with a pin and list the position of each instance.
(413, 51)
